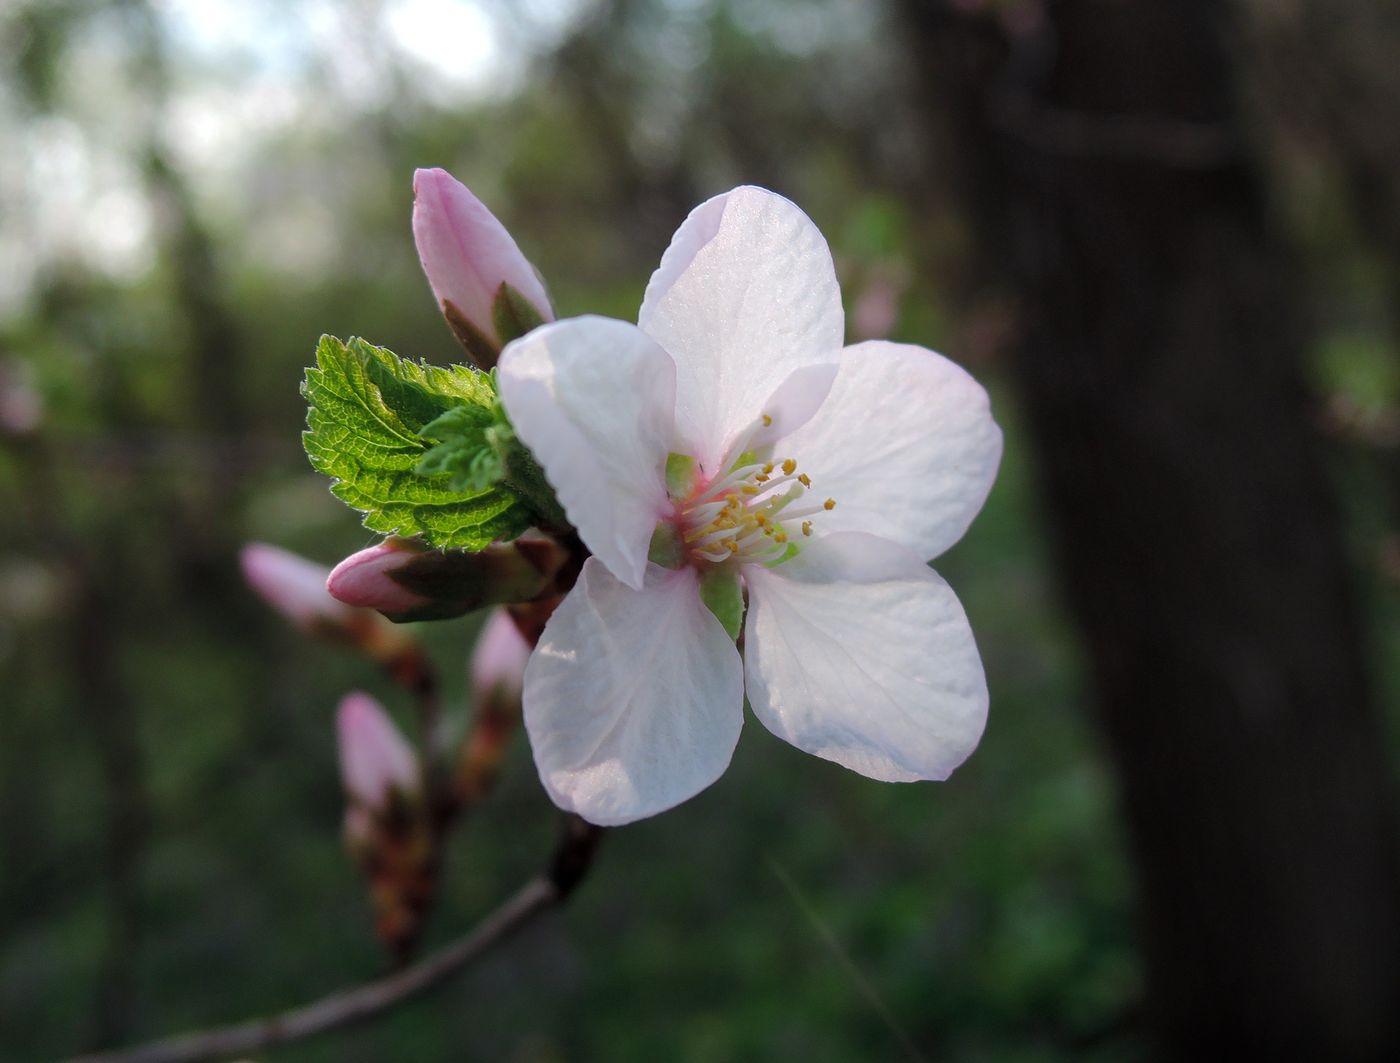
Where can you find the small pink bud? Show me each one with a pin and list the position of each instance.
(366, 579)
(374, 757)
(294, 586)
(484, 286)
(498, 661)
(876, 309)
(21, 406)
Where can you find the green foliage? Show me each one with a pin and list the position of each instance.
(468, 448)
(371, 421)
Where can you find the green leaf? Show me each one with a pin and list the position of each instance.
(467, 449)
(369, 409)
(722, 595)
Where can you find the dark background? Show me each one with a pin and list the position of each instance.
(1165, 235)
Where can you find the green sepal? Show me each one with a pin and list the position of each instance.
(723, 596)
(787, 555)
(483, 349)
(666, 548)
(681, 470)
(368, 408)
(513, 315)
(452, 583)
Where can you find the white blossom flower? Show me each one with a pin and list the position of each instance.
(728, 443)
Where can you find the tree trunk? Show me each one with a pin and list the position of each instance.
(1198, 546)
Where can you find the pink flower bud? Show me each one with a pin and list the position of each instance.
(294, 586)
(357, 831)
(483, 284)
(498, 661)
(366, 579)
(21, 406)
(374, 757)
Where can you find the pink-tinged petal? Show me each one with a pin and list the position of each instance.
(858, 652)
(745, 294)
(633, 699)
(498, 659)
(467, 253)
(374, 756)
(294, 586)
(594, 400)
(905, 443)
(366, 579)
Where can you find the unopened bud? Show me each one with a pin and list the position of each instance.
(498, 677)
(21, 407)
(487, 290)
(366, 579)
(375, 759)
(408, 582)
(295, 587)
(498, 660)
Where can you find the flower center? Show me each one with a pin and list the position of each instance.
(749, 514)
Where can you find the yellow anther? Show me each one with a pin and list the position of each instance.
(830, 503)
(767, 421)
(804, 480)
(768, 468)
(806, 527)
(780, 536)
(750, 489)
(762, 477)
(761, 520)
(731, 546)
(789, 467)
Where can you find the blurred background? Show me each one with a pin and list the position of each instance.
(1166, 236)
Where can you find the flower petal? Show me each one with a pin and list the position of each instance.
(859, 653)
(633, 699)
(745, 294)
(905, 443)
(796, 402)
(593, 399)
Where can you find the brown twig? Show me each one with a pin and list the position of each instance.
(568, 865)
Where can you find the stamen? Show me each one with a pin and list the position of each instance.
(746, 514)
(736, 475)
